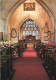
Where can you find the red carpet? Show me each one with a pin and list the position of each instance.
(29, 52)
(29, 68)
(29, 48)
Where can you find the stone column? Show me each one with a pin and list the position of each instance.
(54, 30)
(19, 34)
(2, 26)
(9, 33)
(42, 35)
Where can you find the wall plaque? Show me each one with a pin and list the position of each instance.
(29, 6)
(13, 33)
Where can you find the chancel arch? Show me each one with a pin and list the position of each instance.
(29, 27)
(39, 14)
(22, 1)
(19, 27)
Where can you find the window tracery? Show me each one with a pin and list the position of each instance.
(30, 28)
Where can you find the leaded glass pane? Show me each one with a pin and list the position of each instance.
(30, 28)
(37, 32)
(34, 25)
(36, 37)
(34, 28)
(25, 28)
(26, 25)
(23, 33)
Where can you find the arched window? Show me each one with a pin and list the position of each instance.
(30, 28)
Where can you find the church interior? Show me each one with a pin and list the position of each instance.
(28, 40)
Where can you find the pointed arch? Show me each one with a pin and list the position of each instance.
(24, 19)
(19, 3)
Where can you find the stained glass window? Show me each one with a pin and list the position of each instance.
(35, 28)
(25, 28)
(37, 37)
(37, 32)
(30, 28)
(23, 33)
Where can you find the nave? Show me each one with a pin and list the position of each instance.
(28, 62)
(29, 67)
(28, 40)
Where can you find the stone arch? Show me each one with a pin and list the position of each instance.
(51, 15)
(20, 2)
(24, 19)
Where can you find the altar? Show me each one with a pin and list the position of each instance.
(30, 39)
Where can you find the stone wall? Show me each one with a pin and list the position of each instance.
(7, 5)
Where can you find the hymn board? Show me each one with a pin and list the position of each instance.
(29, 6)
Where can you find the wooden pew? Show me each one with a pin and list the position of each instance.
(6, 65)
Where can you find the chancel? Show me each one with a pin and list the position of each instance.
(28, 40)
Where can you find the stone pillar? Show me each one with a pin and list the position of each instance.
(2, 25)
(42, 35)
(55, 31)
(9, 33)
(19, 34)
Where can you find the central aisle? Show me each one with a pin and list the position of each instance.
(29, 67)
(29, 52)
